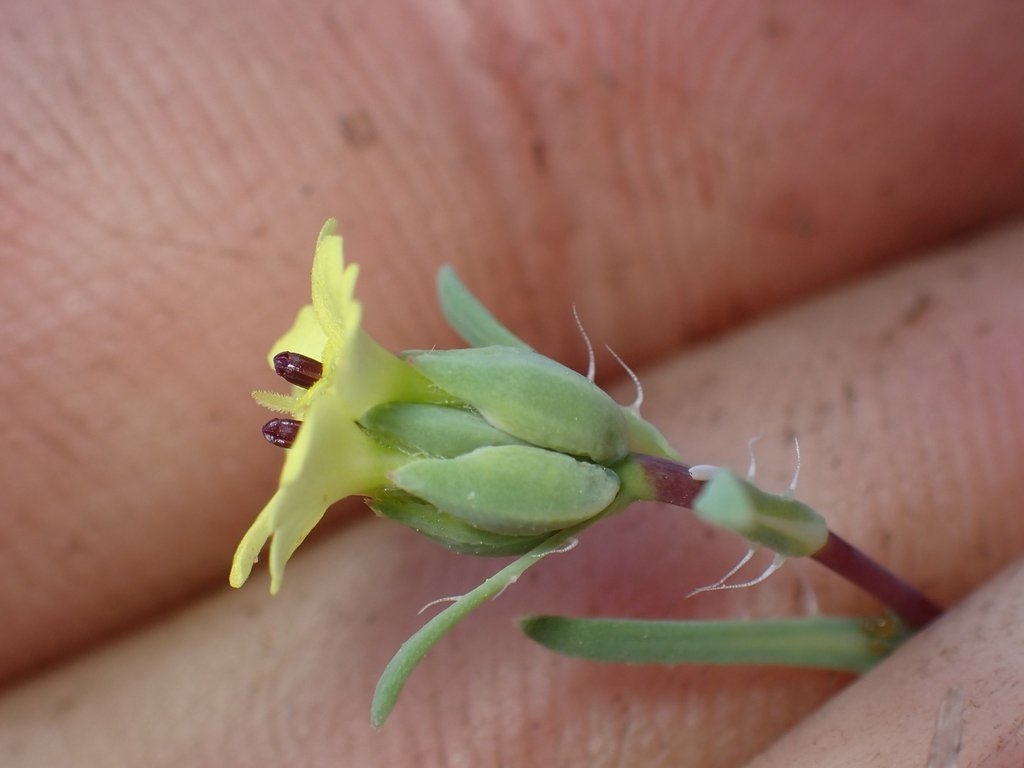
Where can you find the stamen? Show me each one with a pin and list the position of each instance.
(281, 432)
(298, 369)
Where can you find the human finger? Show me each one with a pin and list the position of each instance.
(906, 393)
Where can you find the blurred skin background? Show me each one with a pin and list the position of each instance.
(789, 217)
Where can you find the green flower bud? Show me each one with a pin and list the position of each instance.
(783, 525)
(448, 530)
(511, 489)
(531, 397)
(437, 430)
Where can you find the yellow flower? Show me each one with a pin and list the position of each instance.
(484, 449)
(332, 457)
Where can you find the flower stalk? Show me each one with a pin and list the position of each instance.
(672, 483)
(909, 603)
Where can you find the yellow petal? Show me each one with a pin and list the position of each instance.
(332, 458)
(305, 337)
(337, 311)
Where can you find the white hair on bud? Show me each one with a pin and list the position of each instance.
(438, 601)
(791, 491)
(569, 546)
(591, 360)
(752, 466)
(719, 585)
(505, 586)
(635, 405)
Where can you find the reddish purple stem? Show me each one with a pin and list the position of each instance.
(841, 557)
(672, 484)
(671, 481)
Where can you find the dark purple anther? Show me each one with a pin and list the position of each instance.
(281, 432)
(298, 369)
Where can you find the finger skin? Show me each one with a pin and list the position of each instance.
(891, 715)
(906, 393)
(673, 171)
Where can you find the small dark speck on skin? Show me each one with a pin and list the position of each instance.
(250, 610)
(73, 83)
(967, 272)
(608, 79)
(716, 415)
(790, 215)
(539, 151)
(774, 28)
(358, 129)
(849, 393)
(64, 705)
(918, 308)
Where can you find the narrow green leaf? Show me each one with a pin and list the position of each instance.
(416, 647)
(468, 317)
(839, 643)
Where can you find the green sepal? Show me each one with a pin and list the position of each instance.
(511, 489)
(644, 437)
(468, 317)
(820, 642)
(783, 525)
(531, 397)
(448, 530)
(479, 328)
(436, 430)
